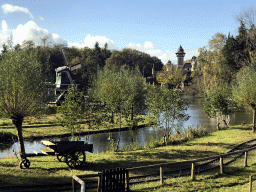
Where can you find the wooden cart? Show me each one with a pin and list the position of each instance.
(71, 152)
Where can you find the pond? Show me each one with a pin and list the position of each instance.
(102, 143)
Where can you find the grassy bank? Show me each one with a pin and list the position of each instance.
(47, 170)
(57, 130)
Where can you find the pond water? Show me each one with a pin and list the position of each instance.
(101, 142)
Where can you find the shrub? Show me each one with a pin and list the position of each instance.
(134, 146)
(7, 137)
(152, 143)
(189, 134)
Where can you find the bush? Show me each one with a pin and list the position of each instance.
(187, 135)
(133, 147)
(7, 137)
(152, 143)
(5, 123)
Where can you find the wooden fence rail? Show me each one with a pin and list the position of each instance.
(192, 162)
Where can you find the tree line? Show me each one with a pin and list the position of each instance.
(115, 88)
(228, 66)
(91, 59)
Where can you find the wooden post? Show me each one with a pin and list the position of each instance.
(221, 165)
(193, 172)
(74, 185)
(245, 158)
(99, 182)
(250, 179)
(161, 176)
(127, 180)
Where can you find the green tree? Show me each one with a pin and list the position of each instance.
(166, 106)
(241, 54)
(121, 92)
(229, 51)
(44, 40)
(130, 58)
(213, 63)
(218, 103)
(5, 49)
(244, 92)
(72, 111)
(172, 77)
(28, 45)
(22, 89)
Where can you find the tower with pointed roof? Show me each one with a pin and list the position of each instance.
(180, 54)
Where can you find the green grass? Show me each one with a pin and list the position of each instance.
(47, 170)
(235, 179)
(57, 130)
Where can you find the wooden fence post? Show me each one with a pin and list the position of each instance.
(127, 180)
(193, 172)
(245, 158)
(74, 185)
(250, 180)
(221, 165)
(161, 176)
(99, 182)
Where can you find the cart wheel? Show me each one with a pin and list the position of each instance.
(61, 158)
(24, 163)
(75, 159)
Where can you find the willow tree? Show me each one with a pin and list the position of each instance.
(166, 106)
(218, 104)
(121, 92)
(22, 89)
(244, 91)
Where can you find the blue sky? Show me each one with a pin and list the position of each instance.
(155, 27)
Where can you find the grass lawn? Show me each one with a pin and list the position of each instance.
(55, 130)
(47, 170)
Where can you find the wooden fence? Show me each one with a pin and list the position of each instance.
(192, 162)
(114, 180)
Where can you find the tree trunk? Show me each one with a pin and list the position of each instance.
(112, 117)
(17, 121)
(254, 118)
(132, 113)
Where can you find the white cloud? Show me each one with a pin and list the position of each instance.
(90, 41)
(4, 27)
(8, 8)
(3, 34)
(164, 55)
(30, 31)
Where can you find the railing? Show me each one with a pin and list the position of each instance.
(220, 156)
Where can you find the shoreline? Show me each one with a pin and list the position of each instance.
(87, 132)
(216, 143)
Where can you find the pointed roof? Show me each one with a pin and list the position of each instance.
(180, 50)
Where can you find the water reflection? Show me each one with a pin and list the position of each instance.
(101, 143)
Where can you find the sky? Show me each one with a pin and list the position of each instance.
(154, 27)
